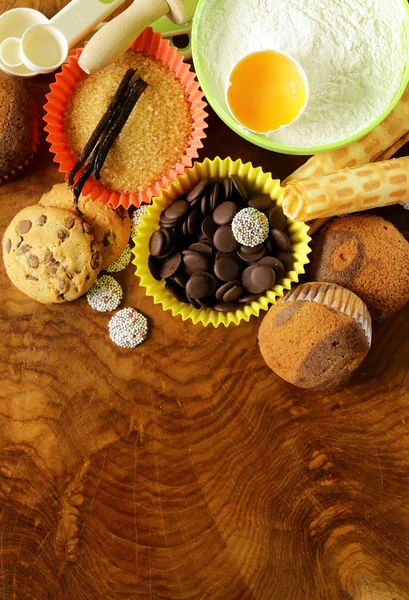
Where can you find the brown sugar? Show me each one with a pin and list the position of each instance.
(156, 134)
(367, 255)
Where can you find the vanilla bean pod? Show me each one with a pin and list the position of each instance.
(85, 175)
(104, 123)
(123, 114)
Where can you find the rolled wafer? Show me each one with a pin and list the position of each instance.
(379, 144)
(316, 224)
(349, 190)
(392, 150)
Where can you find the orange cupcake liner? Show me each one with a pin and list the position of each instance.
(153, 45)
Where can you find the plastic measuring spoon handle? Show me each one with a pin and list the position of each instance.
(81, 16)
(116, 36)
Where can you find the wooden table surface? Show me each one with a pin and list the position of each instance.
(185, 469)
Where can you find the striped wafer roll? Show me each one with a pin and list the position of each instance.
(379, 144)
(348, 190)
(392, 150)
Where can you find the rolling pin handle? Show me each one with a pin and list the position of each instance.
(117, 36)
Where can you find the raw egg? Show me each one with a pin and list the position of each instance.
(266, 91)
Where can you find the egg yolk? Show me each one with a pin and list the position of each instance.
(266, 91)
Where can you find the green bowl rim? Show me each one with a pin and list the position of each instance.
(281, 148)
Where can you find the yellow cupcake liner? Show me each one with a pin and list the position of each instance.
(255, 180)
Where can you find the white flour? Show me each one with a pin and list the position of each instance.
(353, 53)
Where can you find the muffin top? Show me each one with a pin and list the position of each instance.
(312, 345)
(367, 255)
(18, 124)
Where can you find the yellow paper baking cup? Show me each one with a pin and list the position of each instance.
(255, 180)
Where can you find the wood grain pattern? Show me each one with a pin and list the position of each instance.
(186, 469)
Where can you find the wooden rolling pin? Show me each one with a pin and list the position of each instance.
(115, 37)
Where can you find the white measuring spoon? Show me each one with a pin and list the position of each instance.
(13, 24)
(44, 47)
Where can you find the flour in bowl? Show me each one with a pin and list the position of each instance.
(352, 51)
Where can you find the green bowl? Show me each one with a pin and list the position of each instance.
(259, 140)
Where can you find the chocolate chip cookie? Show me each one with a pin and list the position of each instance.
(112, 228)
(50, 254)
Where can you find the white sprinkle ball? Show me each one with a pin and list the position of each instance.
(122, 262)
(136, 219)
(105, 294)
(250, 227)
(405, 205)
(128, 328)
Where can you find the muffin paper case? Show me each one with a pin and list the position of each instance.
(153, 45)
(336, 297)
(36, 137)
(255, 180)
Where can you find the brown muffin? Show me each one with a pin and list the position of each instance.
(367, 255)
(316, 337)
(19, 127)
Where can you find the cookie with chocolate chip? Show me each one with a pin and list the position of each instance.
(50, 254)
(112, 228)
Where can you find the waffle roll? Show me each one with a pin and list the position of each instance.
(348, 190)
(380, 144)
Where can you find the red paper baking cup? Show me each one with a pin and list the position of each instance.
(153, 45)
